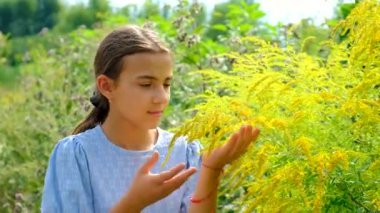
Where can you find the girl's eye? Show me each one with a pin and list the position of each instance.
(148, 85)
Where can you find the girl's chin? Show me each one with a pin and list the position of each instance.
(153, 125)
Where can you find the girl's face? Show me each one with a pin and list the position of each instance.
(142, 92)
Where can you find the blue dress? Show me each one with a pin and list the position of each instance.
(88, 173)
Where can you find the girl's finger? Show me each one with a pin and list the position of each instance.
(243, 141)
(166, 175)
(248, 136)
(175, 182)
(233, 143)
(247, 133)
(237, 143)
(148, 165)
(256, 133)
(253, 134)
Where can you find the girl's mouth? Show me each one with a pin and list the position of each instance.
(155, 113)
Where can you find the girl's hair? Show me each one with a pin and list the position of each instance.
(109, 61)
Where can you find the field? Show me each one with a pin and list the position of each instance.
(313, 91)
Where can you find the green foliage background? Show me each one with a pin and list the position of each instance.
(279, 77)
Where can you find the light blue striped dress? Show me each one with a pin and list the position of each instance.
(88, 173)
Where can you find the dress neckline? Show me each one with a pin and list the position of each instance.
(117, 148)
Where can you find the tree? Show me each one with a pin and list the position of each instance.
(80, 14)
(236, 16)
(149, 9)
(22, 17)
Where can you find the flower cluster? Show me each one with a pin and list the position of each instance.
(320, 120)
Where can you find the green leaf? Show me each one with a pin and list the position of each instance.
(220, 27)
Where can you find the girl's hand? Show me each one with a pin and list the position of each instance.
(233, 149)
(148, 188)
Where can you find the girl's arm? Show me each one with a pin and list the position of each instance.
(67, 185)
(148, 188)
(205, 195)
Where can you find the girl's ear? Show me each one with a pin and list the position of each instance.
(105, 86)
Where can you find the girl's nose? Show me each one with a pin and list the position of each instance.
(161, 96)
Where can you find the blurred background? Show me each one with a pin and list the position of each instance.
(24, 22)
(47, 48)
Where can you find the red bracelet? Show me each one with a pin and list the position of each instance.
(213, 168)
(199, 200)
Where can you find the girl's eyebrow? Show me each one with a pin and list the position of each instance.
(153, 78)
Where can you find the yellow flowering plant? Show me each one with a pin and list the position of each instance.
(319, 146)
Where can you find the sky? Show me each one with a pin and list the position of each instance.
(284, 11)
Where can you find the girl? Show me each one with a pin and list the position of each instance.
(112, 162)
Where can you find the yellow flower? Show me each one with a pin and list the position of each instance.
(376, 202)
(304, 144)
(279, 123)
(338, 157)
(298, 115)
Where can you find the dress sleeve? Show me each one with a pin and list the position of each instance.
(194, 159)
(67, 183)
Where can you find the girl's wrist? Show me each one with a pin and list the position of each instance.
(210, 174)
(219, 170)
(127, 204)
(134, 203)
